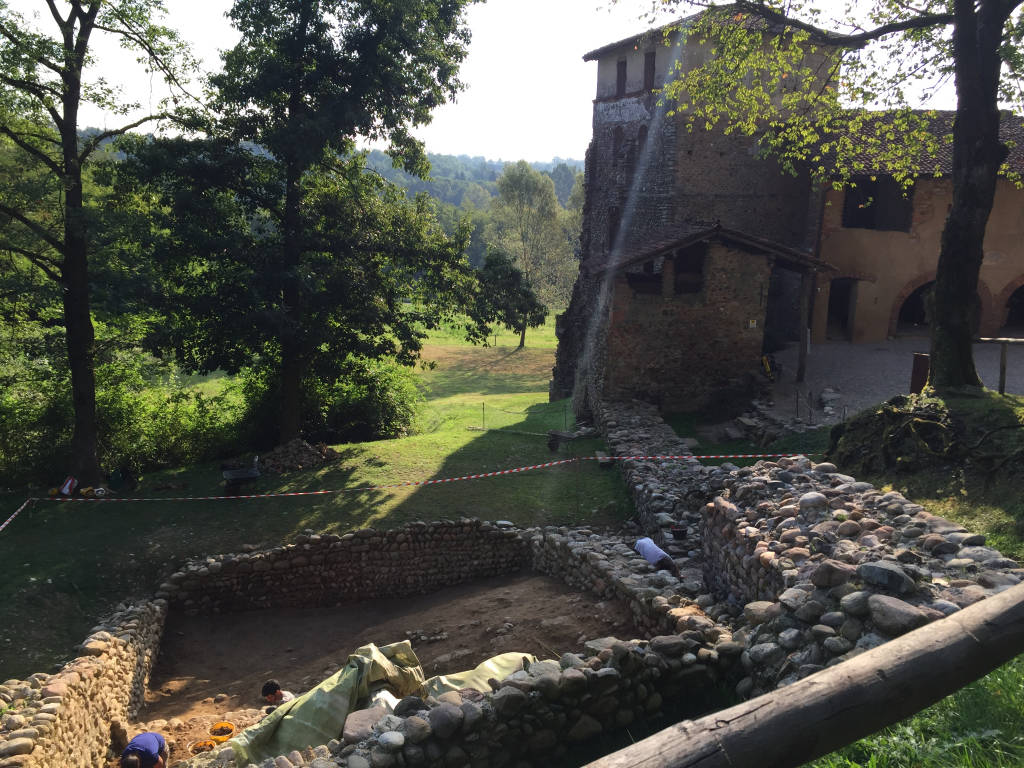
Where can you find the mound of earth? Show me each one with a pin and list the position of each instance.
(970, 429)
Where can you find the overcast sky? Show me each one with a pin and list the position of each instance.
(528, 93)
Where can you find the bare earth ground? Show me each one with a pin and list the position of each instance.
(211, 668)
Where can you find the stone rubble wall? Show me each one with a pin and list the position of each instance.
(65, 719)
(532, 717)
(804, 565)
(786, 567)
(328, 569)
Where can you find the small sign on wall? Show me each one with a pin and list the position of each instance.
(751, 324)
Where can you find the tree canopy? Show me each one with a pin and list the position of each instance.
(799, 74)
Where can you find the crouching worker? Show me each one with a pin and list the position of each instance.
(656, 556)
(274, 696)
(147, 750)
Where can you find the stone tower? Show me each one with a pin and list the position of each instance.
(650, 178)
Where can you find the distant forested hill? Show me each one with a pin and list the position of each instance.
(470, 182)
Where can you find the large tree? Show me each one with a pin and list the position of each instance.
(309, 76)
(45, 77)
(789, 71)
(525, 224)
(375, 268)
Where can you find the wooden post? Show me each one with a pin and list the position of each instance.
(807, 280)
(1002, 367)
(834, 707)
(919, 372)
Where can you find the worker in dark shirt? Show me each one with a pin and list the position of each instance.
(147, 750)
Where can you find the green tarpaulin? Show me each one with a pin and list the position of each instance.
(318, 715)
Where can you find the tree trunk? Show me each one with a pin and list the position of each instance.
(78, 329)
(841, 704)
(292, 372)
(292, 360)
(522, 337)
(977, 156)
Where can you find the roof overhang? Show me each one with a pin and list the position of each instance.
(785, 256)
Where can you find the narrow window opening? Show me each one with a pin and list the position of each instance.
(641, 138)
(617, 138)
(649, 71)
(689, 268)
(620, 79)
(613, 225)
(646, 280)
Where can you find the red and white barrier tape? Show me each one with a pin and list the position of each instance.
(478, 476)
(16, 513)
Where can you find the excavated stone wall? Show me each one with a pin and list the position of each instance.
(330, 570)
(66, 719)
(786, 567)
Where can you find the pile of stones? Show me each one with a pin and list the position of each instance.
(833, 567)
(297, 454)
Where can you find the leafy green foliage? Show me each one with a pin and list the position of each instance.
(46, 79)
(505, 294)
(525, 223)
(371, 399)
(147, 418)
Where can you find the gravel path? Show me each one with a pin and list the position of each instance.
(866, 374)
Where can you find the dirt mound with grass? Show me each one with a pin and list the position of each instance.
(972, 429)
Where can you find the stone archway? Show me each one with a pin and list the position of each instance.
(897, 304)
(987, 320)
(1002, 304)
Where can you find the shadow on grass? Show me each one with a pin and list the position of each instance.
(68, 563)
(573, 493)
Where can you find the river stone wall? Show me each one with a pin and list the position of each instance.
(805, 566)
(66, 719)
(320, 570)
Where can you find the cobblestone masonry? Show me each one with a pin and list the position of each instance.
(786, 567)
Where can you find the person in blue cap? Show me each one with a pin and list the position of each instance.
(147, 750)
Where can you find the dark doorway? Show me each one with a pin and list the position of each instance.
(914, 318)
(1014, 327)
(842, 300)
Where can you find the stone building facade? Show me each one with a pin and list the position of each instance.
(870, 251)
(650, 181)
(885, 264)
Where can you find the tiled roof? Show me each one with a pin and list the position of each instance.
(940, 125)
(695, 233)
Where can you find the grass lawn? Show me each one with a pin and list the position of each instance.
(68, 564)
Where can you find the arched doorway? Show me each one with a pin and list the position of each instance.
(842, 300)
(913, 319)
(1014, 315)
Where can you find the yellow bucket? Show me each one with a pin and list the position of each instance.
(222, 731)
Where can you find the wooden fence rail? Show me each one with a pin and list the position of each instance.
(841, 704)
(1002, 357)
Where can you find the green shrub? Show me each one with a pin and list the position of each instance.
(373, 399)
(146, 418)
